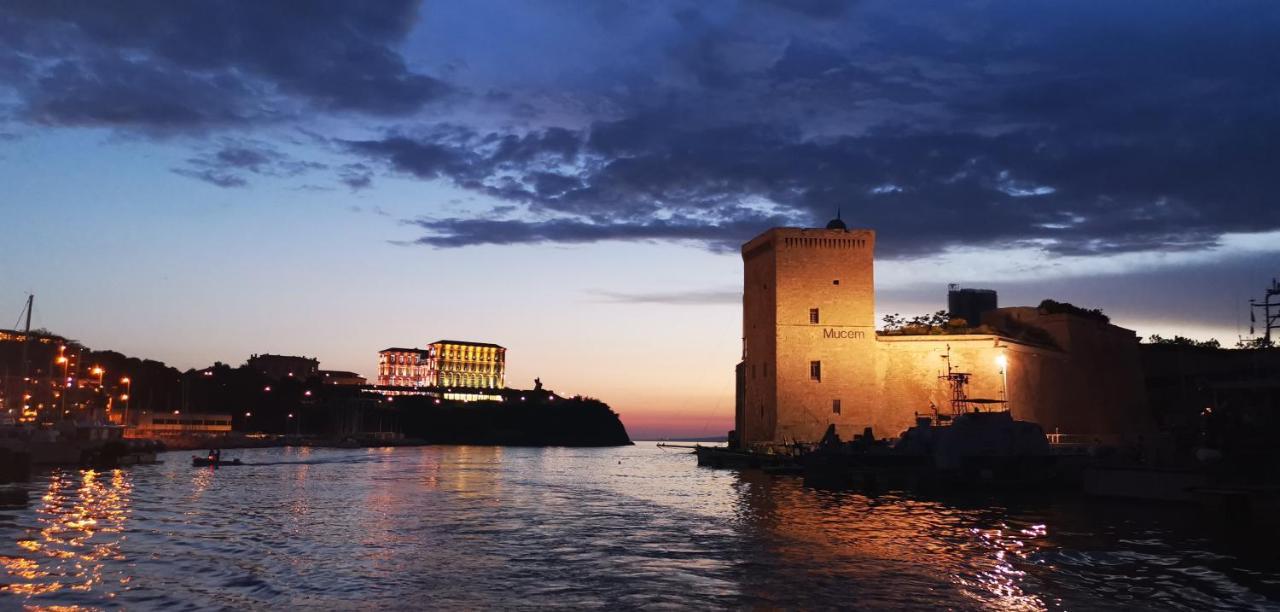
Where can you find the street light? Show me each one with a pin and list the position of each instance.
(1003, 362)
(128, 391)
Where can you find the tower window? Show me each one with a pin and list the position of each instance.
(815, 370)
(835, 406)
(835, 282)
(813, 316)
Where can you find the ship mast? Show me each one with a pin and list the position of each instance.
(26, 341)
(958, 381)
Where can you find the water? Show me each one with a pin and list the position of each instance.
(641, 526)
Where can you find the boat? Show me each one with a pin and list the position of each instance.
(210, 462)
(735, 458)
(979, 444)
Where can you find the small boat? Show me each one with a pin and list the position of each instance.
(209, 462)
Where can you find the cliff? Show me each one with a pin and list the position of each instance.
(538, 420)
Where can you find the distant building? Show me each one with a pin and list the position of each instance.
(970, 304)
(341, 377)
(186, 423)
(472, 365)
(404, 367)
(280, 367)
(812, 356)
(464, 370)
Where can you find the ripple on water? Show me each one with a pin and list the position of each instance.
(628, 527)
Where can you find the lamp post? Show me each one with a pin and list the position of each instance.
(128, 393)
(99, 372)
(1003, 362)
(62, 359)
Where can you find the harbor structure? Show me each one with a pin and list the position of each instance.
(812, 357)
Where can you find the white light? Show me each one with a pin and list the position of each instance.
(1002, 361)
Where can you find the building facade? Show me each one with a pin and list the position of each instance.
(405, 367)
(970, 304)
(812, 357)
(471, 365)
(445, 363)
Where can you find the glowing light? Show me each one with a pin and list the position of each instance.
(1002, 361)
(248, 414)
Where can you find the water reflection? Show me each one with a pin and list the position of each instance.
(79, 529)
(633, 527)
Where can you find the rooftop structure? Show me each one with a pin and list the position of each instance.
(279, 367)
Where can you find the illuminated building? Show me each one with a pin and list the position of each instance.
(405, 367)
(279, 367)
(812, 356)
(471, 365)
(458, 369)
(185, 423)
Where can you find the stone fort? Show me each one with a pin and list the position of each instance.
(812, 356)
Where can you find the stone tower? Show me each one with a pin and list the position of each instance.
(808, 327)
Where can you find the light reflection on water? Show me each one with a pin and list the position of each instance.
(630, 527)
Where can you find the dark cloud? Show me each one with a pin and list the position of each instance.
(232, 161)
(355, 176)
(1087, 130)
(165, 65)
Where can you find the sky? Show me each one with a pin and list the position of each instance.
(203, 180)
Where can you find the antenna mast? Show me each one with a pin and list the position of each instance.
(1270, 306)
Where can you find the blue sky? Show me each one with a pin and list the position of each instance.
(200, 181)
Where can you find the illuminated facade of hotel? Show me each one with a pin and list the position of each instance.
(460, 367)
(812, 356)
(472, 365)
(405, 367)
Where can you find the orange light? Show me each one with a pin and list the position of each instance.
(125, 380)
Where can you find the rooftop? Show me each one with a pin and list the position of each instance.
(468, 343)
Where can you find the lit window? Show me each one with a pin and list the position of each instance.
(813, 316)
(815, 370)
(835, 406)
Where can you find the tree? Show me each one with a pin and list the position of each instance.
(1183, 341)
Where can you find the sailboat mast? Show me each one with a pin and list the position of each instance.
(26, 341)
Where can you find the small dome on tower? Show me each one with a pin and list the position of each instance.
(837, 223)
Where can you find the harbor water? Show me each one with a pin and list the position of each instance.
(642, 526)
